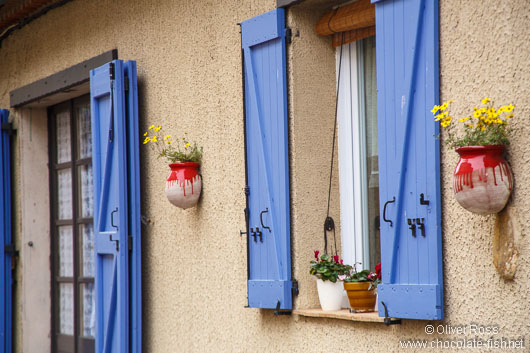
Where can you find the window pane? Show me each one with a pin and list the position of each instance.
(66, 308)
(66, 251)
(64, 147)
(87, 191)
(64, 193)
(86, 248)
(372, 166)
(88, 310)
(84, 131)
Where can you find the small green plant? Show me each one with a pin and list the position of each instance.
(328, 268)
(179, 151)
(486, 125)
(365, 276)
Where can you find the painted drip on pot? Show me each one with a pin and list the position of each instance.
(183, 183)
(466, 179)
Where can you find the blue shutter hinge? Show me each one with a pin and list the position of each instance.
(9, 128)
(111, 71)
(389, 321)
(288, 35)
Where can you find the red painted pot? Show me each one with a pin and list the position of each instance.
(482, 181)
(184, 184)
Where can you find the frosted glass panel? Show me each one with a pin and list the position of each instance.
(64, 147)
(66, 308)
(84, 131)
(86, 259)
(88, 310)
(66, 252)
(87, 191)
(64, 193)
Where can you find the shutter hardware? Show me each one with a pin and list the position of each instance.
(10, 249)
(294, 292)
(9, 128)
(389, 321)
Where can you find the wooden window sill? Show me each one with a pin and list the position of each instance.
(343, 314)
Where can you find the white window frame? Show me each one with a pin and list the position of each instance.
(352, 161)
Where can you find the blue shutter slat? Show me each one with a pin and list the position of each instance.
(6, 279)
(116, 208)
(407, 80)
(263, 43)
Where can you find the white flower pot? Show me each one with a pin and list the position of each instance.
(330, 294)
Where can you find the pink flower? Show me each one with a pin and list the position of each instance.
(341, 277)
(336, 259)
(372, 276)
(341, 262)
(316, 254)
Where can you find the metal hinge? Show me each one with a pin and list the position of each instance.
(388, 320)
(288, 35)
(9, 128)
(111, 71)
(294, 290)
(130, 241)
(247, 190)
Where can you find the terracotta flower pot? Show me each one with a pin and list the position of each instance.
(184, 184)
(361, 299)
(482, 181)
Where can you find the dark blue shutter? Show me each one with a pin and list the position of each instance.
(116, 207)
(269, 255)
(409, 158)
(6, 280)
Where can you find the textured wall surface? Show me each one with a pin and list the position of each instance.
(194, 261)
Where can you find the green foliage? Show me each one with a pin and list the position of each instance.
(484, 126)
(178, 151)
(327, 268)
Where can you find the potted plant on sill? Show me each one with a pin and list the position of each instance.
(361, 288)
(184, 183)
(329, 272)
(482, 181)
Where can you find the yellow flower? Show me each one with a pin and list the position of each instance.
(440, 116)
(187, 145)
(158, 128)
(435, 109)
(444, 106)
(151, 127)
(166, 137)
(154, 139)
(147, 139)
(463, 119)
(168, 142)
(485, 100)
(145, 133)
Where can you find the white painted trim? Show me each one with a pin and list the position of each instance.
(352, 161)
(34, 288)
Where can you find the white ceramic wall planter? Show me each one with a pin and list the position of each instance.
(330, 294)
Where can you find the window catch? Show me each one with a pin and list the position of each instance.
(423, 201)
(288, 35)
(389, 321)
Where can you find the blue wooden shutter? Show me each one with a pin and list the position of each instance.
(6, 279)
(269, 256)
(409, 157)
(116, 207)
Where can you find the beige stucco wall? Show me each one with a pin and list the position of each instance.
(194, 261)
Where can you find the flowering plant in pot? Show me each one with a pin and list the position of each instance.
(329, 272)
(184, 183)
(361, 288)
(482, 181)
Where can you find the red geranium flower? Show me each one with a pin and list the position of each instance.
(336, 259)
(378, 270)
(316, 254)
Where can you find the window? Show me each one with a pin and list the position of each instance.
(73, 300)
(358, 153)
